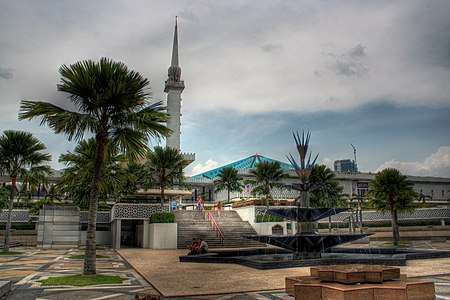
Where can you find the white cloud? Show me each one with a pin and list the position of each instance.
(328, 162)
(437, 164)
(209, 165)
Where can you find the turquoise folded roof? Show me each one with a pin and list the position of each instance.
(243, 164)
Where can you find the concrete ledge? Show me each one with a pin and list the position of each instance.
(5, 287)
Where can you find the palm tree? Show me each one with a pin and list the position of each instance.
(112, 104)
(76, 178)
(268, 175)
(20, 153)
(390, 190)
(164, 168)
(228, 179)
(327, 192)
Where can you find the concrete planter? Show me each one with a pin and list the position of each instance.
(162, 236)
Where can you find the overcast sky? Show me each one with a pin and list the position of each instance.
(375, 74)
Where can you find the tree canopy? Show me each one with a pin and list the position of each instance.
(392, 191)
(229, 180)
(20, 155)
(267, 175)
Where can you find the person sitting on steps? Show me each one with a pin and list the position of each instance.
(194, 247)
(203, 246)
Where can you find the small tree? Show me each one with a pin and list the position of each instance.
(76, 178)
(390, 190)
(164, 168)
(228, 179)
(20, 153)
(328, 192)
(268, 175)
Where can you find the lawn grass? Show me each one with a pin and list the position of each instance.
(81, 280)
(401, 244)
(10, 253)
(83, 256)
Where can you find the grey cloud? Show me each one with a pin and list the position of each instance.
(350, 68)
(357, 51)
(350, 63)
(6, 73)
(272, 48)
(188, 15)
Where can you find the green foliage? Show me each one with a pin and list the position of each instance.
(83, 256)
(229, 180)
(104, 206)
(163, 169)
(268, 218)
(391, 190)
(76, 179)
(10, 253)
(21, 154)
(268, 175)
(81, 280)
(166, 217)
(391, 187)
(38, 205)
(329, 192)
(20, 226)
(4, 197)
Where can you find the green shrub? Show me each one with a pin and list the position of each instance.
(166, 217)
(268, 218)
(38, 205)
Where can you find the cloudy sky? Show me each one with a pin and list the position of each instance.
(375, 74)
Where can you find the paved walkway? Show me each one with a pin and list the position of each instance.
(159, 272)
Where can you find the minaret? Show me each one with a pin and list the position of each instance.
(174, 87)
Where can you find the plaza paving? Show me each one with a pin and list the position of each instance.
(159, 272)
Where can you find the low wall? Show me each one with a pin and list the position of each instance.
(101, 237)
(24, 237)
(162, 236)
(59, 227)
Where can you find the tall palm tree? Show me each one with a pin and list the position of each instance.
(268, 175)
(111, 102)
(390, 190)
(164, 168)
(20, 153)
(76, 178)
(328, 192)
(228, 179)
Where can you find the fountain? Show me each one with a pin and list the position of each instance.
(307, 243)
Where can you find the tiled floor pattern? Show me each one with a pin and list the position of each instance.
(33, 264)
(174, 279)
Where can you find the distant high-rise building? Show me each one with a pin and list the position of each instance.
(345, 166)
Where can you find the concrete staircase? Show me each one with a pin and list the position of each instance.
(191, 224)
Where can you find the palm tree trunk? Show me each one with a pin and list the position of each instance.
(8, 222)
(90, 252)
(228, 190)
(394, 221)
(163, 187)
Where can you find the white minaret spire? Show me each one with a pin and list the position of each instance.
(174, 87)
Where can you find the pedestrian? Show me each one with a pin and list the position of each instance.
(203, 246)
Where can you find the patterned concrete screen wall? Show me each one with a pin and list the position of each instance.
(59, 227)
(136, 211)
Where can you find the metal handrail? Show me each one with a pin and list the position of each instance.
(212, 221)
